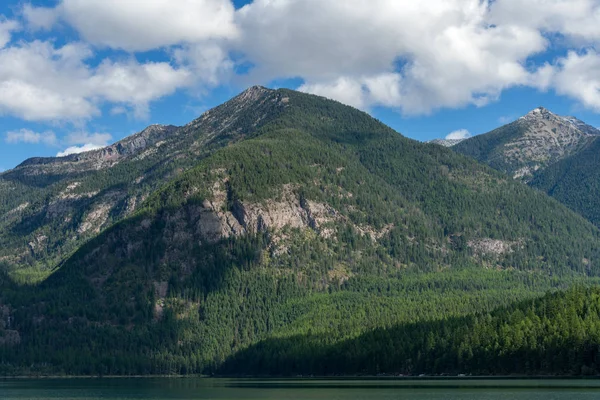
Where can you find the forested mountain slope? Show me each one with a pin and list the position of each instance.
(51, 206)
(554, 335)
(558, 155)
(316, 220)
(575, 181)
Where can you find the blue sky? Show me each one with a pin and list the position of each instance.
(79, 74)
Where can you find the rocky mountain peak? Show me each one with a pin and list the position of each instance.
(539, 114)
(253, 93)
(531, 143)
(542, 113)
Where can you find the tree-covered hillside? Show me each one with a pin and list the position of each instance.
(51, 206)
(575, 182)
(558, 334)
(316, 221)
(557, 155)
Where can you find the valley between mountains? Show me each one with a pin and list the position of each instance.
(282, 233)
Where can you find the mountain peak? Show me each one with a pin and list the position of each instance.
(539, 113)
(539, 110)
(535, 141)
(253, 93)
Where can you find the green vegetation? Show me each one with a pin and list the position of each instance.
(47, 202)
(570, 174)
(316, 228)
(489, 148)
(558, 334)
(575, 182)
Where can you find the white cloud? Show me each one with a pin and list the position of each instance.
(413, 56)
(7, 27)
(450, 56)
(578, 76)
(458, 134)
(39, 81)
(149, 24)
(136, 84)
(361, 92)
(31, 137)
(78, 149)
(40, 17)
(32, 103)
(347, 91)
(208, 61)
(575, 19)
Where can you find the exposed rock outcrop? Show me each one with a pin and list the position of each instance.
(487, 246)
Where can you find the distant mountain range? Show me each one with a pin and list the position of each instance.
(558, 155)
(283, 230)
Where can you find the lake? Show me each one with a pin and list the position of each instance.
(353, 389)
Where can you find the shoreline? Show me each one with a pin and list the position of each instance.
(318, 378)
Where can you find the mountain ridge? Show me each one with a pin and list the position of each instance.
(554, 154)
(298, 217)
(81, 194)
(536, 140)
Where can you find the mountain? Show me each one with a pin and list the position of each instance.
(557, 155)
(446, 142)
(575, 181)
(530, 144)
(278, 215)
(51, 206)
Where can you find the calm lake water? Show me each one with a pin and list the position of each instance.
(204, 389)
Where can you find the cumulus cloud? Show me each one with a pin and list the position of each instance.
(7, 27)
(141, 25)
(40, 17)
(415, 56)
(345, 90)
(31, 137)
(458, 134)
(506, 119)
(578, 76)
(84, 141)
(136, 84)
(208, 61)
(362, 92)
(39, 81)
(577, 20)
(78, 149)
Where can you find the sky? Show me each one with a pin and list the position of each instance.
(80, 74)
